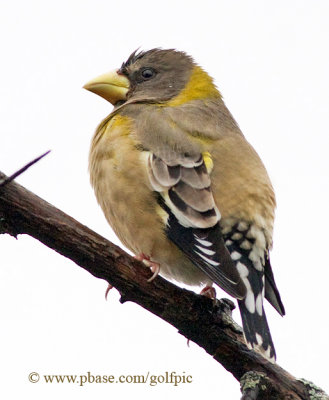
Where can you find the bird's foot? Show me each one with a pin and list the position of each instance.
(155, 267)
(209, 291)
(108, 290)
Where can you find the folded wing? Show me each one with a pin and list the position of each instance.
(184, 192)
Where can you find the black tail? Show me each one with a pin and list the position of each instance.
(246, 246)
(257, 332)
(271, 291)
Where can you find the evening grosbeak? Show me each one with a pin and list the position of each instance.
(180, 185)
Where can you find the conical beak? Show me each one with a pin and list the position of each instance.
(112, 86)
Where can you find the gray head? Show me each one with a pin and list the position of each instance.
(157, 75)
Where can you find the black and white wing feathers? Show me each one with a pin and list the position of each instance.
(184, 192)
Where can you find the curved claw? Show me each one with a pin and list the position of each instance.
(108, 290)
(154, 266)
(209, 291)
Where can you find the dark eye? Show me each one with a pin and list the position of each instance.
(148, 73)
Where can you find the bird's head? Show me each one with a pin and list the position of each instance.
(155, 76)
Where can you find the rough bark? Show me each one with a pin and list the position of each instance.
(196, 317)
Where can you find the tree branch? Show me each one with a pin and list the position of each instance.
(196, 317)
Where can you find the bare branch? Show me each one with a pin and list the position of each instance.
(195, 317)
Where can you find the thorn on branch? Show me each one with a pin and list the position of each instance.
(10, 178)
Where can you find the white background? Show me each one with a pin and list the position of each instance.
(270, 61)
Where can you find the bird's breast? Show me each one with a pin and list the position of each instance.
(121, 185)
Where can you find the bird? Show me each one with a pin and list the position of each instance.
(181, 186)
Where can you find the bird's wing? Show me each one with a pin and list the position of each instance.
(183, 184)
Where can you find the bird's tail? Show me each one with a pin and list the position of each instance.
(247, 247)
(257, 332)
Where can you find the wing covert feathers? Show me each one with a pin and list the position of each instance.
(184, 183)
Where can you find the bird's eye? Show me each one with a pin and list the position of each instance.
(148, 73)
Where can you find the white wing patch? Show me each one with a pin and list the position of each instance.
(208, 252)
(208, 260)
(203, 242)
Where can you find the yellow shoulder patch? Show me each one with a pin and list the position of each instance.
(200, 86)
(114, 124)
(208, 161)
(122, 122)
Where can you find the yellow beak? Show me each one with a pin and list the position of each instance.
(112, 86)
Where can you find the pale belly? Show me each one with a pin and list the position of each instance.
(123, 191)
